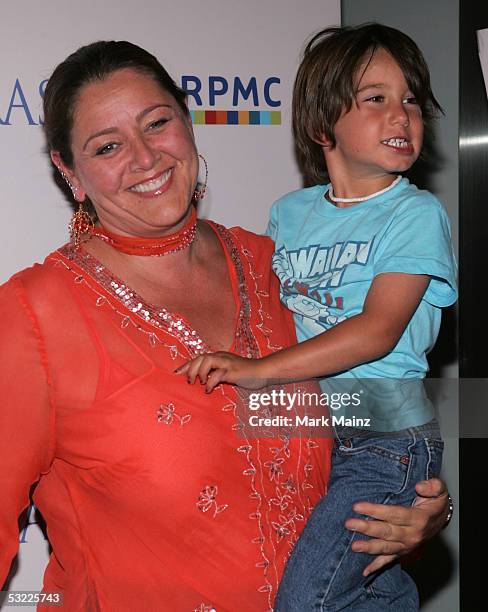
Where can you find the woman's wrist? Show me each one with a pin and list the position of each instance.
(450, 511)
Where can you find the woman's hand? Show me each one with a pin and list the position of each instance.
(215, 368)
(398, 530)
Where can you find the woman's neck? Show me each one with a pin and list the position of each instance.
(172, 265)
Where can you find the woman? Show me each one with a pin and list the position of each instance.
(156, 495)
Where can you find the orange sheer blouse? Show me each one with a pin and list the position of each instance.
(155, 495)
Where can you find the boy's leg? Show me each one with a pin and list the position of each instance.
(323, 573)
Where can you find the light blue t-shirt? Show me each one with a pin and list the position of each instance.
(326, 259)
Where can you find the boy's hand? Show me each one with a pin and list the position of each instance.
(215, 368)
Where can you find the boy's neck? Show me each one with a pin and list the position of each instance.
(358, 187)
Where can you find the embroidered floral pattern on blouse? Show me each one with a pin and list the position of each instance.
(289, 485)
(208, 500)
(276, 485)
(286, 524)
(276, 515)
(259, 294)
(166, 414)
(204, 608)
(275, 469)
(245, 343)
(282, 500)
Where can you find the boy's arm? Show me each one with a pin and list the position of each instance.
(390, 303)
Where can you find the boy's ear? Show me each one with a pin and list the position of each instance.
(324, 141)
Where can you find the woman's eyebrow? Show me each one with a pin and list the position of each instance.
(149, 109)
(110, 130)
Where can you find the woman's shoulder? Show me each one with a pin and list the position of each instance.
(33, 280)
(251, 238)
(18, 297)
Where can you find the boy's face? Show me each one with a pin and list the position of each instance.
(383, 131)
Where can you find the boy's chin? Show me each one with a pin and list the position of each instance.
(400, 168)
(402, 165)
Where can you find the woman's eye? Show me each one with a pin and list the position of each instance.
(107, 148)
(376, 99)
(154, 125)
(411, 100)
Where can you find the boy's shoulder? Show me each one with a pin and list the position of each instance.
(300, 197)
(412, 199)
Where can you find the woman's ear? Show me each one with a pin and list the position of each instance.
(188, 118)
(68, 175)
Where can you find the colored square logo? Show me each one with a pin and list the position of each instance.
(275, 117)
(243, 117)
(254, 118)
(198, 117)
(221, 117)
(234, 117)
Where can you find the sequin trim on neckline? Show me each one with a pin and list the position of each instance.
(161, 318)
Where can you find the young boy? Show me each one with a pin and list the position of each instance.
(365, 263)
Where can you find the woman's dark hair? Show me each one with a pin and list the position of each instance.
(90, 63)
(325, 85)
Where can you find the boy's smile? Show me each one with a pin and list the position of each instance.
(381, 134)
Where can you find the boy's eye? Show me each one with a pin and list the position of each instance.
(410, 100)
(107, 148)
(376, 98)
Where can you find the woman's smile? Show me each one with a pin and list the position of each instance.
(153, 187)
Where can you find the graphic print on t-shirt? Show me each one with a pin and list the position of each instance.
(311, 278)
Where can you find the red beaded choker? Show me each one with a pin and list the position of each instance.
(155, 247)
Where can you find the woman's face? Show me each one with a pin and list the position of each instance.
(133, 155)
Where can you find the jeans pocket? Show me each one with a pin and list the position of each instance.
(389, 447)
(377, 467)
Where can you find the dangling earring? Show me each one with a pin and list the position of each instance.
(81, 223)
(199, 193)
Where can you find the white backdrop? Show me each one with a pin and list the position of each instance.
(249, 165)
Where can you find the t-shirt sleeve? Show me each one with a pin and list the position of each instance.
(418, 241)
(26, 414)
(272, 227)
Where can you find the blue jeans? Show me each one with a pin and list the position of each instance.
(323, 573)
